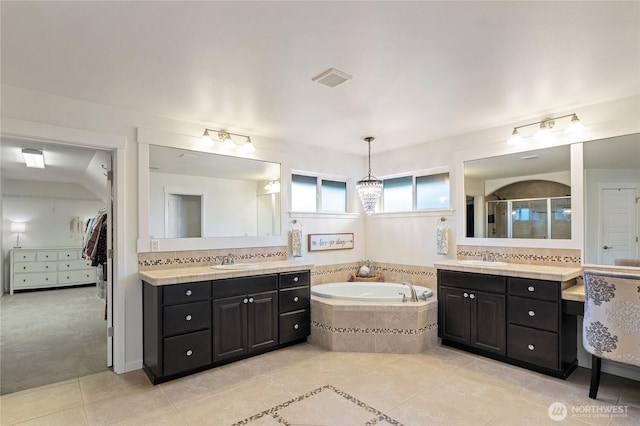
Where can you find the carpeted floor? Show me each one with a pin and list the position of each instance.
(49, 336)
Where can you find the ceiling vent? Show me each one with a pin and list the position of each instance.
(332, 77)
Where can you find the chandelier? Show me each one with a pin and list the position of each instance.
(369, 188)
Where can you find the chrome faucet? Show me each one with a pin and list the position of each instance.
(228, 259)
(487, 256)
(414, 295)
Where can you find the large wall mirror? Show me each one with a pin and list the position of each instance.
(612, 213)
(526, 195)
(196, 196)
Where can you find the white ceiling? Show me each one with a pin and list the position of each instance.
(421, 71)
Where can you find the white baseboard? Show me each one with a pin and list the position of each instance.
(132, 366)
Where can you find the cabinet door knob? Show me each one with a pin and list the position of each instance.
(251, 300)
(68, 266)
(296, 326)
(532, 314)
(295, 279)
(189, 352)
(531, 347)
(188, 317)
(531, 288)
(466, 294)
(245, 300)
(472, 296)
(188, 292)
(295, 299)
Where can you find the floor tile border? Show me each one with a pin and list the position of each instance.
(273, 411)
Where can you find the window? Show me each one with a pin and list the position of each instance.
(428, 191)
(307, 192)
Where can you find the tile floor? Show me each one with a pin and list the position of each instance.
(304, 385)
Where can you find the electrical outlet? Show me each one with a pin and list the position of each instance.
(154, 245)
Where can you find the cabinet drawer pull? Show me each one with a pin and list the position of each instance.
(532, 314)
(295, 326)
(245, 300)
(189, 352)
(531, 347)
(295, 279)
(531, 288)
(24, 267)
(295, 299)
(188, 292)
(472, 296)
(251, 300)
(466, 294)
(46, 267)
(188, 317)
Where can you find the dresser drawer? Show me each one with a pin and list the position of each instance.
(43, 279)
(24, 257)
(43, 256)
(294, 299)
(182, 293)
(294, 326)
(536, 289)
(178, 319)
(533, 313)
(36, 267)
(70, 265)
(76, 277)
(68, 255)
(294, 279)
(533, 346)
(186, 352)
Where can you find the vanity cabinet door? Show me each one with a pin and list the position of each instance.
(262, 314)
(454, 315)
(488, 322)
(229, 327)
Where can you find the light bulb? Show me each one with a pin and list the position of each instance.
(575, 125)
(206, 137)
(515, 138)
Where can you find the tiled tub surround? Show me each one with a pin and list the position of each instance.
(375, 327)
(391, 273)
(522, 255)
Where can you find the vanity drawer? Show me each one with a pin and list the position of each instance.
(186, 352)
(294, 279)
(533, 346)
(473, 281)
(294, 326)
(294, 299)
(533, 313)
(178, 319)
(181, 293)
(536, 289)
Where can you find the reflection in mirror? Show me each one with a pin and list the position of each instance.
(197, 194)
(612, 188)
(522, 195)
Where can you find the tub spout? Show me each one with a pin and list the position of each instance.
(414, 295)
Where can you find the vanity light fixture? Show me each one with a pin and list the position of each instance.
(33, 158)
(369, 188)
(227, 140)
(545, 126)
(273, 186)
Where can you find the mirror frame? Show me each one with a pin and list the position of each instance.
(147, 137)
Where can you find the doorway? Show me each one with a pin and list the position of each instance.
(619, 224)
(56, 332)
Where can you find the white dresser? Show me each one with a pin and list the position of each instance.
(49, 267)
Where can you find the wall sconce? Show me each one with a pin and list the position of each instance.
(227, 140)
(33, 158)
(544, 132)
(273, 186)
(18, 227)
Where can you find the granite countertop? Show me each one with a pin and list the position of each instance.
(187, 274)
(540, 272)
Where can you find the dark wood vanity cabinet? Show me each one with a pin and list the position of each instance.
(516, 320)
(195, 326)
(472, 310)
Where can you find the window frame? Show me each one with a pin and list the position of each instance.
(414, 175)
(320, 177)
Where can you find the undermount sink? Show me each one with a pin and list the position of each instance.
(474, 262)
(236, 266)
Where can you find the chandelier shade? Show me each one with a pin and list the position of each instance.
(369, 188)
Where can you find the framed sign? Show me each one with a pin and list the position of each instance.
(318, 242)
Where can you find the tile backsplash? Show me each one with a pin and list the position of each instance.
(177, 259)
(524, 255)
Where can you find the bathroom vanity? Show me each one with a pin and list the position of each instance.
(198, 318)
(510, 312)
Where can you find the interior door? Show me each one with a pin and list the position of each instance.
(109, 267)
(619, 221)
